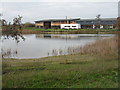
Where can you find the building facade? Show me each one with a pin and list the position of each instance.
(103, 23)
(54, 23)
(70, 26)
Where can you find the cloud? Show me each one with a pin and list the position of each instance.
(32, 11)
(1, 10)
(59, 0)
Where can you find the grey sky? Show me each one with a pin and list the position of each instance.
(119, 8)
(32, 11)
(59, 0)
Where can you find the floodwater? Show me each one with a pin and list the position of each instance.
(43, 45)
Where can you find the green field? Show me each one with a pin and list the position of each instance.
(71, 71)
(34, 28)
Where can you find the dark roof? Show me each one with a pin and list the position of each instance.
(100, 19)
(50, 20)
(107, 21)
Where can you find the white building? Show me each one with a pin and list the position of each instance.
(70, 26)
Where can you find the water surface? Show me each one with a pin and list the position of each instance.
(42, 45)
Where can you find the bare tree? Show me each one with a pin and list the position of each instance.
(118, 23)
(13, 30)
(98, 21)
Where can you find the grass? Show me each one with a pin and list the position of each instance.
(78, 72)
(70, 31)
(86, 70)
(34, 28)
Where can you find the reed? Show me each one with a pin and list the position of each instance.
(101, 47)
(54, 52)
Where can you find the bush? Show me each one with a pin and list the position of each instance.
(28, 24)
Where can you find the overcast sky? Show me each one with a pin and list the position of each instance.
(32, 10)
(60, 0)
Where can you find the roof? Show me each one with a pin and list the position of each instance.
(100, 19)
(107, 21)
(50, 20)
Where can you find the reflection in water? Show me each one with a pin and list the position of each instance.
(71, 36)
(8, 53)
(43, 45)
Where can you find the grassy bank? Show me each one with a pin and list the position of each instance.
(34, 28)
(31, 30)
(88, 69)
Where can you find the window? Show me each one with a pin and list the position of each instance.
(73, 26)
(67, 26)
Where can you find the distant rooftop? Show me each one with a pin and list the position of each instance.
(104, 21)
(95, 19)
(49, 20)
(77, 19)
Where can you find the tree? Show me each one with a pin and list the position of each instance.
(118, 23)
(28, 24)
(13, 30)
(98, 21)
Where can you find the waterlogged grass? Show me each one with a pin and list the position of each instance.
(71, 71)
